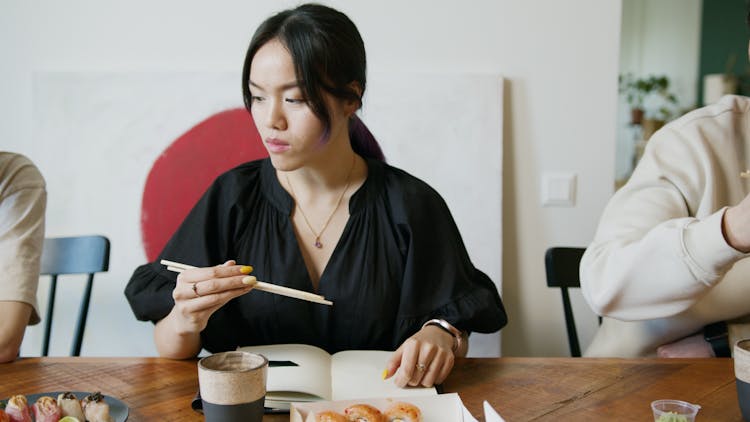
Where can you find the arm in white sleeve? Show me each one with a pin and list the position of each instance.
(659, 275)
(659, 245)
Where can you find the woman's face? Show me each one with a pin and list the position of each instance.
(293, 135)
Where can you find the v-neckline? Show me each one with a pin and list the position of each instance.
(286, 203)
(301, 257)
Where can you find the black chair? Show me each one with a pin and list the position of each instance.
(562, 271)
(72, 255)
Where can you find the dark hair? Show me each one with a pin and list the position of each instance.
(328, 54)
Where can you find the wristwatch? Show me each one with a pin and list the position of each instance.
(445, 325)
(717, 336)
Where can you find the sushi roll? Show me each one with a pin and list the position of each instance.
(3, 416)
(18, 409)
(70, 405)
(363, 413)
(95, 409)
(46, 410)
(329, 416)
(403, 412)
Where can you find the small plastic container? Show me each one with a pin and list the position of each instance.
(674, 411)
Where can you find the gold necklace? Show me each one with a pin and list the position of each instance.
(317, 243)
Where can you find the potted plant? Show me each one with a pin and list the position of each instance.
(634, 91)
(648, 97)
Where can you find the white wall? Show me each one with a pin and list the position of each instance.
(650, 29)
(560, 59)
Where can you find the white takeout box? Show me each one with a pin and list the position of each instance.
(438, 408)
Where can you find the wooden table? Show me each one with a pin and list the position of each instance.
(521, 389)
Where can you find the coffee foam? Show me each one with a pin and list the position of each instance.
(232, 377)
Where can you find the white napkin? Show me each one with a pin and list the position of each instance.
(467, 414)
(490, 414)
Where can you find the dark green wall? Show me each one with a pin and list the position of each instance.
(724, 33)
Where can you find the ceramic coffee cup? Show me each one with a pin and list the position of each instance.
(742, 375)
(233, 386)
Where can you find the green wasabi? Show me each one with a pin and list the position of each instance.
(672, 417)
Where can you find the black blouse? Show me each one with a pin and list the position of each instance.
(400, 261)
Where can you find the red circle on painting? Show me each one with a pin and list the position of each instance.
(184, 171)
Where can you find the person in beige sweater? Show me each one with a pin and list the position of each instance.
(668, 265)
(23, 201)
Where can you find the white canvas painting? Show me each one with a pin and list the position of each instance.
(447, 130)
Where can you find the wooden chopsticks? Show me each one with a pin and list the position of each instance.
(260, 285)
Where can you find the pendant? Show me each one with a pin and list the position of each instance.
(317, 243)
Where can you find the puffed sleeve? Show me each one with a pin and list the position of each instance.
(440, 280)
(203, 239)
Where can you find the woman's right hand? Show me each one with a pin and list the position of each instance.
(201, 291)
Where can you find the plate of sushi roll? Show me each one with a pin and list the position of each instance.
(63, 406)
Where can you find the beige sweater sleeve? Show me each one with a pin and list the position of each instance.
(659, 245)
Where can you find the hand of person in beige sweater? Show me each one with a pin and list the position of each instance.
(736, 225)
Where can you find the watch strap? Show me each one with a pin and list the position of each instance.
(450, 329)
(717, 336)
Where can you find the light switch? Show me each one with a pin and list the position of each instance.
(558, 189)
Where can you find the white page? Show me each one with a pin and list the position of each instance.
(358, 374)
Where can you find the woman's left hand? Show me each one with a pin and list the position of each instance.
(424, 359)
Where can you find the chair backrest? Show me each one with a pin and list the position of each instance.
(562, 266)
(72, 255)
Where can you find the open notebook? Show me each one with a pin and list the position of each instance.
(304, 373)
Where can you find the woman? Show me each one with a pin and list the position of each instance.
(324, 213)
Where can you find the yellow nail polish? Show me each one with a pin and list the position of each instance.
(246, 269)
(385, 373)
(249, 280)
